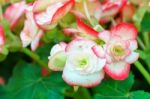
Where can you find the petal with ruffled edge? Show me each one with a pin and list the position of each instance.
(80, 44)
(126, 31)
(133, 45)
(117, 70)
(131, 58)
(98, 51)
(75, 79)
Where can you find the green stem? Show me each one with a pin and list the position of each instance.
(140, 42)
(96, 26)
(113, 21)
(87, 12)
(146, 39)
(82, 93)
(34, 56)
(143, 71)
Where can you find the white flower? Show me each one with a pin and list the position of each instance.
(83, 67)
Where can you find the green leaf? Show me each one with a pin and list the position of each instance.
(27, 83)
(55, 36)
(141, 18)
(111, 89)
(44, 51)
(145, 22)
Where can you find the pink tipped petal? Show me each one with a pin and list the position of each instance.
(70, 31)
(125, 30)
(63, 45)
(133, 45)
(105, 35)
(62, 11)
(132, 58)
(41, 5)
(14, 12)
(86, 29)
(35, 41)
(2, 36)
(77, 43)
(75, 79)
(118, 70)
(45, 18)
(98, 51)
(78, 14)
(110, 10)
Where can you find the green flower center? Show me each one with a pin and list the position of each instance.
(81, 62)
(118, 50)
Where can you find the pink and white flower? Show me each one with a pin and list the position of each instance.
(83, 67)
(14, 12)
(30, 33)
(48, 18)
(120, 50)
(57, 58)
(109, 9)
(2, 38)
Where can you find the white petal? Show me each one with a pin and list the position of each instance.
(56, 48)
(98, 51)
(117, 70)
(105, 35)
(75, 79)
(35, 41)
(132, 57)
(133, 45)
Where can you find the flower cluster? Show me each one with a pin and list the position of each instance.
(92, 53)
(84, 61)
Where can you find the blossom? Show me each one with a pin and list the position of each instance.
(14, 12)
(30, 33)
(109, 9)
(83, 67)
(48, 18)
(57, 57)
(120, 46)
(2, 38)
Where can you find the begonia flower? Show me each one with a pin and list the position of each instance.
(83, 67)
(109, 9)
(120, 46)
(30, 33)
